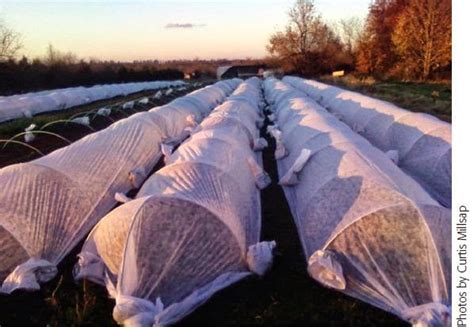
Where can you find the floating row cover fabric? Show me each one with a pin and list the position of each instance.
(30, 104)
(420, 143)
(48, 205)
(367, 228)
(194, 227)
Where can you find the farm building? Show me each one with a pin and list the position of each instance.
(240, 71)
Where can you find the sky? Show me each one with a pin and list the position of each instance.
(157, 29)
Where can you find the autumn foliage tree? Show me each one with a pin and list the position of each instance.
(307, 46)
(422, 37)
(376, 52)
(406, 39)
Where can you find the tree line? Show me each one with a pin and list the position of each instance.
(59, 70)
(402, 39)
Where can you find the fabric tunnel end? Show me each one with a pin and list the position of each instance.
(281, 151)
(158, 95)
(191, 120)
(262, 179)
(130, 311)
(85, 121)
(144, 101)
(104, 112)
(128, 105)
(291, 176)
(260, 144)
(121, 197)
(30, 128)
(29, 275)
(89, 266)
(167, 150)
(260, 257)
(433, 314)
(324, 267)
(137, 176)
(29, 136)
(271, 128)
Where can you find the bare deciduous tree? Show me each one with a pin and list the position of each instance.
(55, 57)
(10, 42)
(303, 17)
(350, 32)
(307, 45)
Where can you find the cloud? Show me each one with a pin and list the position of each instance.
(184, 25)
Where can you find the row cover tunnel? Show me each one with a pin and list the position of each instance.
(194, 227)
(30, 104)
(419, 143)
(385, 240)
(53, 202)
(367, 183)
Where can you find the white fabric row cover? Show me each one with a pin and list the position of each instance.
(368, 229)
(419, 143)
(48, 205)
(194, 227)
(30, 104)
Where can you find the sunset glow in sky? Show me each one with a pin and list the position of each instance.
(155, 29)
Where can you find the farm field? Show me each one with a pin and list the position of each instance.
(286, 295)
(230, 163)
(416, 97)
